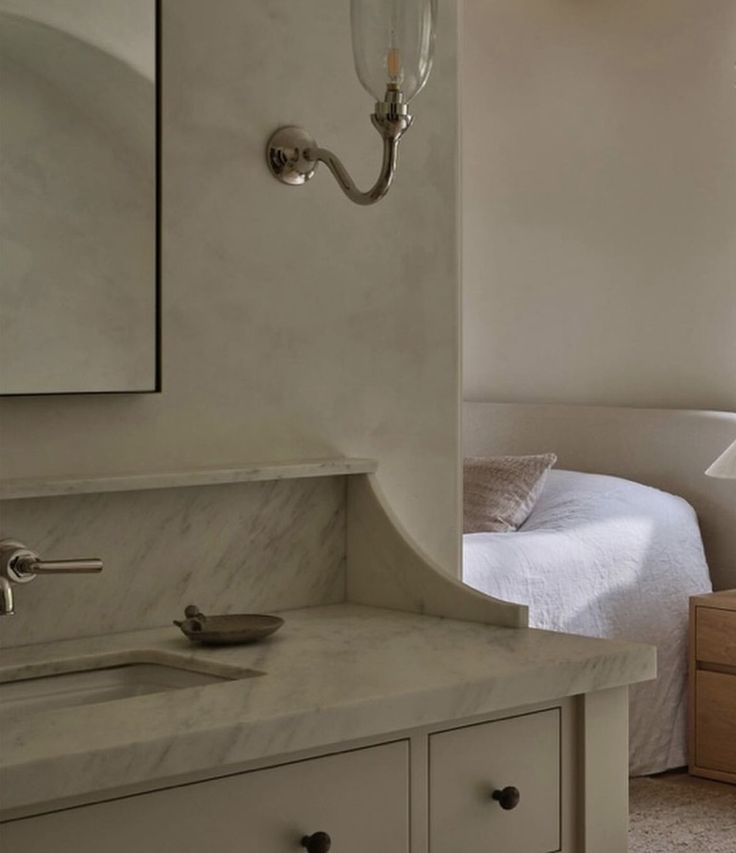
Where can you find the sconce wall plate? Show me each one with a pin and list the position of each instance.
(286, 155)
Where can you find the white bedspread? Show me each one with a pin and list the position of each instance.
(606, 557)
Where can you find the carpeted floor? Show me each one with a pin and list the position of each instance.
(675, 812)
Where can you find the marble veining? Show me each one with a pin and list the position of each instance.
(244, 547)
(332, 674)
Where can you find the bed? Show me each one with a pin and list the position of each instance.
(605, 557)
(602, 553)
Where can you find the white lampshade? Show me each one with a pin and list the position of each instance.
(725, 465)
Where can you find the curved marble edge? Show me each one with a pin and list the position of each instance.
(89, 662)
(386, 568)
(40, 487)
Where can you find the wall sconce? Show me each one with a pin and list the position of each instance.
(393, 47)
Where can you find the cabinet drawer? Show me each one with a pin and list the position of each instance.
(360, 798)
(715, 635)
(715, 721)
(467, 765)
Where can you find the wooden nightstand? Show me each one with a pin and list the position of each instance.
(713, 686)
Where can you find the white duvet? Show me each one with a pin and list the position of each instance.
(606, 557)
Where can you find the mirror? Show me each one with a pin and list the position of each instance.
(79, 224)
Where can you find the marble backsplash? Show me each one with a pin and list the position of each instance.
(247, 547)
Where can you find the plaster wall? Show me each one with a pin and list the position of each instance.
(295, 324)
(599, 202)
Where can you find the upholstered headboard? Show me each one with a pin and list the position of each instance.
(668, 449)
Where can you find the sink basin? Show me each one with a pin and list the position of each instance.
(105, 683)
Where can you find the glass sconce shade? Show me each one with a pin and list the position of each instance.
(393, 44)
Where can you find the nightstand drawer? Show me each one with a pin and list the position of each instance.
(715, 721)
(715, 636)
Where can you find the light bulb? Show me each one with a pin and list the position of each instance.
(393, 65)
(393, 45)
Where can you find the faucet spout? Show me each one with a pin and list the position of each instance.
(7, 603)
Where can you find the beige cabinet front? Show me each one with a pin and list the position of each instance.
(359, 798)
(518, 760)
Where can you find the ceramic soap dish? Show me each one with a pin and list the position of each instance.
(226, 630)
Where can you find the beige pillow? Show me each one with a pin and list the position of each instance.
(499, 492)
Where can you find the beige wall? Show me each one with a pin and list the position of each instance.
(600, 202)
(119, 27)
(295, 324)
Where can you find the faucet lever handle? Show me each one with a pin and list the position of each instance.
(20, 565)
(34, 566)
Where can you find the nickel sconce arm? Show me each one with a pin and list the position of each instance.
(293, 155)
(347, 184)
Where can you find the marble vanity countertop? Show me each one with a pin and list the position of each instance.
(332, 674)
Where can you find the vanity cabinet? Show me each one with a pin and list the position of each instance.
(430, 791)
(558, 772)
(360, 798)
(497, 786)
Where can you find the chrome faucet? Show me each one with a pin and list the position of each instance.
(7, 603)
(19, 565)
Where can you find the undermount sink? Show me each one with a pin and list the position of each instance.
(105, 682)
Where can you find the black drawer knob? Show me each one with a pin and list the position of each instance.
(508, 798)
(320, 842)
